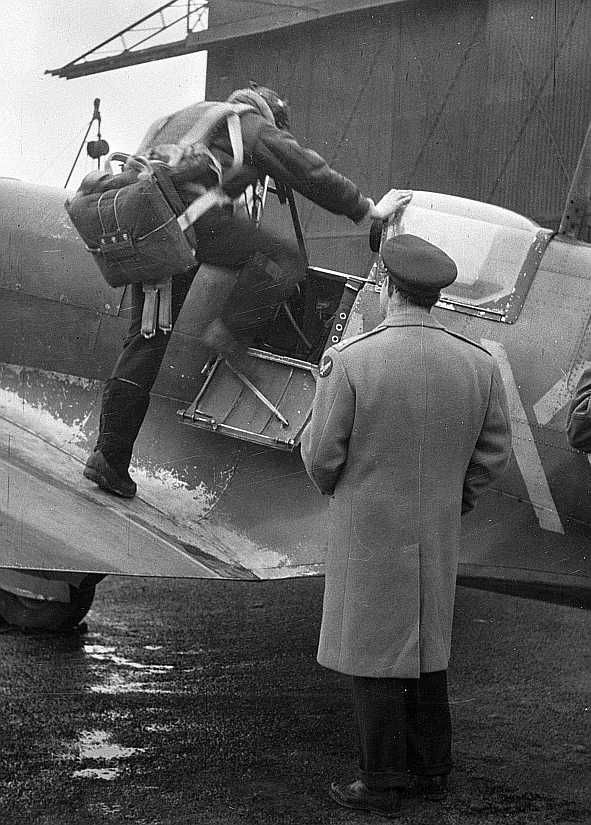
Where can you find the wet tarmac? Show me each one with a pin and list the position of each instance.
(201, 702)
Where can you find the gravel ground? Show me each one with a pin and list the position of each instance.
(201, 702)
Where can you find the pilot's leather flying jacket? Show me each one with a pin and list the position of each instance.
(271, 151)
(578, 424)
(277, 153)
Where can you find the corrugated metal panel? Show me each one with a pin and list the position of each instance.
(487, 100)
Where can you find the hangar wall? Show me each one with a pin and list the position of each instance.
(488, 99)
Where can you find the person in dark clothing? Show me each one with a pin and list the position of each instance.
(269, 268)
(578, 423)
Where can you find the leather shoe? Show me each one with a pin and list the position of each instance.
(109, 478)
(358, 797)
(432, 787)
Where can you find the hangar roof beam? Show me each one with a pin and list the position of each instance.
(284, 16)
(193, 14)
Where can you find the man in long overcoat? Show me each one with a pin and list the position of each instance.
(409, 425)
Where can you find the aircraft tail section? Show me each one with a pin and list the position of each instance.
(576, 218)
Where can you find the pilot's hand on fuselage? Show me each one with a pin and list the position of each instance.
(387, 206)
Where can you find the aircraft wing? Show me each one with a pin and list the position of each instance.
(52, 519)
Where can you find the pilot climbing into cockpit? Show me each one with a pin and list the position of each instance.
(268, 268)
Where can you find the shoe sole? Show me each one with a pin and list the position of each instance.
(98, 478)
(366, 809)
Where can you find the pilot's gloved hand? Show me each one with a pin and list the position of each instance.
(387, 206)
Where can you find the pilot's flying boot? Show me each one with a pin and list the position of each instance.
(124, 407)
(110, 477)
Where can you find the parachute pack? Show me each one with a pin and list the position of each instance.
(138, 224)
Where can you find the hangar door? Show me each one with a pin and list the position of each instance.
(485, 100)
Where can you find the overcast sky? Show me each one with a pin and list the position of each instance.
(45, 118)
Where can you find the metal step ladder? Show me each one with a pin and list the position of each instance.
(262, 397)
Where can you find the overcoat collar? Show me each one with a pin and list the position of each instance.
(411, 316)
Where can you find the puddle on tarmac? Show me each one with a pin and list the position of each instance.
(116, 682)
(107, 774)
(96, 745)
(107, 654)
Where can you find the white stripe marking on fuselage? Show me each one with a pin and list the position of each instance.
(558, 396)
(524, 447)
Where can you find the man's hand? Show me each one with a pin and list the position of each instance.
(387, 206)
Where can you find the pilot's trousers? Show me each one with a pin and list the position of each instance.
(269, 269)
(404, 727)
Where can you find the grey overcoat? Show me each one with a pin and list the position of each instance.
(409, 425)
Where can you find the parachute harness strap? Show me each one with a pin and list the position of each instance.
(157, 310)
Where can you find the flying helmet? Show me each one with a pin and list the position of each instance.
(277, 105)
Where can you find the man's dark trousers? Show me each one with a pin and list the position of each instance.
(404, 728)
(269, 268)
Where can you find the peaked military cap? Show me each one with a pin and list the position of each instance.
(417, 266)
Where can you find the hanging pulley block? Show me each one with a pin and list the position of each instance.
(97, 148)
